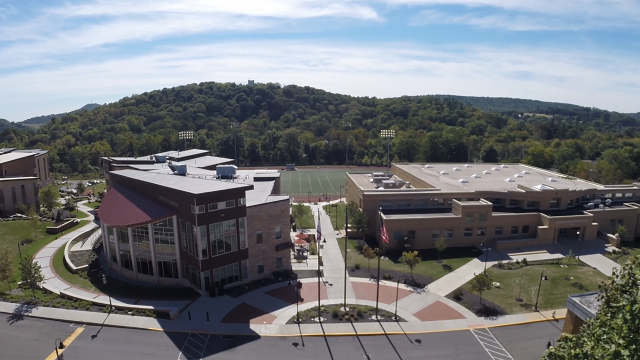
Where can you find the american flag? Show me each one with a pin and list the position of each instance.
(318, 229)
(383, 231)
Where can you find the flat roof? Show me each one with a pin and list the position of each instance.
(188, 184)
(130, 159)
(488, 177)
(177, 154)
(33, 151)
(205, 161)
(4, 158)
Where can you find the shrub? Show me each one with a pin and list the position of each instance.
(357, 266)
(525, 262)
(335, 311)
(387, 276)
(457, 293)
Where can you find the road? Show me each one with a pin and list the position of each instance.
(35, 339)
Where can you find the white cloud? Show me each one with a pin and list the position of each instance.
(383, 70)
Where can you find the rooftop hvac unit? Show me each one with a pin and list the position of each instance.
(178, 169)
(391, 184)
(407, 185)
(495, 168)
(504, 166)
(226, 171)
(160, 158)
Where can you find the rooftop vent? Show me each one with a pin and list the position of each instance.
(552, 179)
(495, 168)
(428, 166)
(444, 172)
(456, 169)
(509, 180)
(160, 158)
(525, 172)
(226, 171)
(504, 166)
(518, 175)
(178, 169)
(464, 181)
(487, 172)
(467, 165)
(476, 176)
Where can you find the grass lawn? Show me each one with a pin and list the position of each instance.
(453, 258)
(11, 233)
(80, 214)
(93, 205)
(562, 282)
(68, 276)
(627, 250)
(331, 211)
(306, 221)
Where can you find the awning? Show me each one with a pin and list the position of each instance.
(125, 207)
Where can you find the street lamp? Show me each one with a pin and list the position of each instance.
(388, 134)
(298, 287)
(235, 125)
(58, 345)
(486, 256)
(309, 197)
(579, 245)
(346, 152)
(184, 135)
(542, 276)
(395, 314)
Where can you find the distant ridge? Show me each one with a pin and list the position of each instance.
(40, 120)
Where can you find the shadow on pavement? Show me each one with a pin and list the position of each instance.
(19, 313)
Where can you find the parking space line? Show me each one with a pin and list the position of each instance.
(491, 345)
(199, 345)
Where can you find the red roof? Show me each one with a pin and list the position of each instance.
(124, 207)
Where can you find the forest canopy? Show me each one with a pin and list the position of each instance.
(304, 125)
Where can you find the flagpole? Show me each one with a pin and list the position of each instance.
(318, 246)
(346, 240)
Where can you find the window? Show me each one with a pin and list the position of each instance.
(191, 274)
(207, 280)
(469, 217)
(183, 235)
(213, 207)
(482, 217)
(13, 192)
(468, 232)
(230, 204)
(612, 223)
(449, 233)
(202, 233)
(144, 264)
(621, 222)
(480, 231)
(398, 236)
(163, 236)
(243, 232)
(167, 266)
(411, 235)
(553, 204)
(223, 237)
(525, 229)
(385, 204)
(570, 203)
(498, 231)
(112, 244)
(225, 275)
(259, 237)
(197, 209)
(141, 240)
(24, 194)
(514, 230)
(513, 202)
(123, 236)
(244, 265)
(242, 201)
(125, 259)
(421, 204)
(403, 204)
(278, 262)
(278, 232)
(530, 204)
(435, 234)
(260, 267)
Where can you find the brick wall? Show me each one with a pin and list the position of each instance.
(266, 218)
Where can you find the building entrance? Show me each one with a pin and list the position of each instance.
(576, 233)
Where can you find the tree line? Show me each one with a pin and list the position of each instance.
(308, 126)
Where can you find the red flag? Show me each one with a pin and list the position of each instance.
(383, 231)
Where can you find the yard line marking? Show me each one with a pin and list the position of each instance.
(487, 336)
(330, 184)
(310, 186)
(321, 188)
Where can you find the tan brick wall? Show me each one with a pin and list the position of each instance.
(572, 323)
(20, 167)
(6, 185)
(266, 218)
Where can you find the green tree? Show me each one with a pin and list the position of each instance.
(33, 219)
(622, 231)
(489, 154)
(359, 222)
(479, 284)
(80, 188)
(298, 212)
(49, 196)
(613, 333)
(540, 156)
(369, 254)
(6, 265)
(411, 259)
(30, 274)
(441, 246)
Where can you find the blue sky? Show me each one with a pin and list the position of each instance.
(56, 56)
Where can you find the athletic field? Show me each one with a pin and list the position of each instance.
(300, 182)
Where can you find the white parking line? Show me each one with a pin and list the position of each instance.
(197, 348)
(491, 345)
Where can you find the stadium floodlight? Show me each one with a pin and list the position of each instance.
(184, 135)
(388, 134)
(235, 125)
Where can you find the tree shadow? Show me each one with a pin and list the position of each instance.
(20, 312)
(490, 312)
(447, 267)
(579, 286)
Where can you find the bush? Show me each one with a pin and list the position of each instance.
(387, 276)
(357, 266)
(525, 262)
(335, 311)
(457, 293)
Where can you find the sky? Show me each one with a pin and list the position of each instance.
(57, 56)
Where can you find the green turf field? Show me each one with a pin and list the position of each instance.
(300, 182)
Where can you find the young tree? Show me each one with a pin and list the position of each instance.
(369, 254)
(31, 274)
(80, 188)
(6, 265)
(33, 219)
(352, 209)
(613, 333)
(479, 284)
(441, 245)
(359, 222)
(518, 283)
(298, 212)
(49, 196)
(411, 259)
(622, 231)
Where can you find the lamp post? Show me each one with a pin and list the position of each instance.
(235, 125)
(346, 152)
(58, 345)
(184, 135)
(535, 307)
(486, 256)
(298, 287)
(395, 314)
(309, 197)
(388, 134)
(379, 254)
(579, 245)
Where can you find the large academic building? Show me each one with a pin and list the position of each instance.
(504, 205)
(166, 222)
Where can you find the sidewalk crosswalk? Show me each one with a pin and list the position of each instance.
(194, 347)
(491, 345)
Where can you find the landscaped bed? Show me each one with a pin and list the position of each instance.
(519, 287)
(627, 249)
(334, 314)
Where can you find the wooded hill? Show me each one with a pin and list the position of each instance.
(304, 125)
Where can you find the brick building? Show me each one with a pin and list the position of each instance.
(22, 173)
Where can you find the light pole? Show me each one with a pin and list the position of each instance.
(184, 135)
(309, 197)
(388, 134)
(395, 314)
(486, 256)
(535, 307)
(346, 152)
(235, 125)
(58, 346)
(579, 245)
(298, 287)
(379, 254)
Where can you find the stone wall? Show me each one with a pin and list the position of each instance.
(266, 218)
